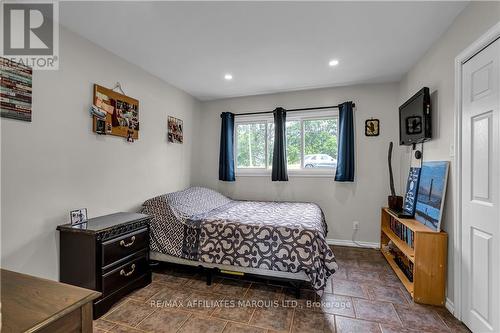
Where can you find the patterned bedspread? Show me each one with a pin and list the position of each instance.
(203, 225)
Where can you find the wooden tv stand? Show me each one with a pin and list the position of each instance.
(428, 255)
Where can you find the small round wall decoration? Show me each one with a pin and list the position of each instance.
(372, 127)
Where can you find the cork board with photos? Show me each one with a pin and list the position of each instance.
(122, 113)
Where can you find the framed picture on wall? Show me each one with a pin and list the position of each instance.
(372, 127)
(175, 130)
(16, 90)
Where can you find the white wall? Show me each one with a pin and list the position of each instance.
(56, 164)
(342, 203)
(436, 71)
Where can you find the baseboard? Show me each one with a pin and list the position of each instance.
(450, 306)
(345, 242)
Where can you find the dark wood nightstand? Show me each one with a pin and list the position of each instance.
(108, 254)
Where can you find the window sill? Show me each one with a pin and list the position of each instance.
(291, 174)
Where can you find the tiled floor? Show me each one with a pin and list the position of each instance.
(363, 296)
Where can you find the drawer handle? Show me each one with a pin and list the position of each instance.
(132, 240)
(122, 272)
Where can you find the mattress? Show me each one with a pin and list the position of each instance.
(202, 225)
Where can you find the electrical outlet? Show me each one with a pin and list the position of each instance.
(452, 150)
(355, 225)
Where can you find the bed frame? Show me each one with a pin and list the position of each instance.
(291, 280)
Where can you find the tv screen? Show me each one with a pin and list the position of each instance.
(415, 119)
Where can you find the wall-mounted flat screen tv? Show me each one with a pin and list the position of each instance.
(415, 119)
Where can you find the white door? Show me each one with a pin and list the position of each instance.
(480, 191)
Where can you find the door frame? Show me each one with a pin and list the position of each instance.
(481, 43)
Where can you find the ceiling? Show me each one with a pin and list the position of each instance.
(266, 46)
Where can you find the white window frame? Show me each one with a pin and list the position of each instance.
(268, 118)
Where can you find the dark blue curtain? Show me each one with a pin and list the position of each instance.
(226, 154)
(279, 172)
(345, 161)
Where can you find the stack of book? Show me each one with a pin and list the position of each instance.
(405, 265)
(402, 231)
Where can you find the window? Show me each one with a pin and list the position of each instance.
(251, 145)
(320, 143)
(311, 143)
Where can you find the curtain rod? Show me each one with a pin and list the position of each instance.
(292, 110)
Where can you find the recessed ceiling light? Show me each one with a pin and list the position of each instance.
(333, 62)
(228, 77)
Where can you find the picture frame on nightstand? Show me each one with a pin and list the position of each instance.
(78, 216)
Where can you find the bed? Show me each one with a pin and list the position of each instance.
(201, 227)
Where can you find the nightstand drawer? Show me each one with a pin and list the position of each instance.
(123, 246)
(124, 274)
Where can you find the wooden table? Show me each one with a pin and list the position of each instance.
(31, 304)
